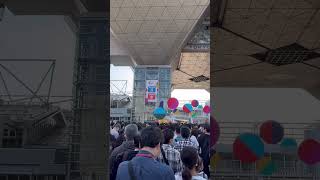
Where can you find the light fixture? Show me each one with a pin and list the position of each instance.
(1, 11)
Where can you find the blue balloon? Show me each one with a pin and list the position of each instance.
(159, 113)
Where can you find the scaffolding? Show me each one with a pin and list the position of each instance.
(91, 86)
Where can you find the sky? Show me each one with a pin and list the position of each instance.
(126, 73)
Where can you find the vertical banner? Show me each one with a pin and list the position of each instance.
(151, 90)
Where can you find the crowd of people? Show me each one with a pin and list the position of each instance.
(159, 152)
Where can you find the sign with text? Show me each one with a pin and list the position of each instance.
(151, 90)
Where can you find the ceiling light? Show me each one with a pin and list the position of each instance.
(199, 79)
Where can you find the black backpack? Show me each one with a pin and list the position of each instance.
(119, 159)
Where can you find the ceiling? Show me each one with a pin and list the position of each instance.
(192, 64)
(240, 29)
(154, 31)
(194, 60)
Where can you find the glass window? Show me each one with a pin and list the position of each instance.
(139, 74)
(140, 84)
(165, 84)
(165, 74)
(152, 75)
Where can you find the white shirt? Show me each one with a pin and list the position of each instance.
(194, 140)
(178, 176)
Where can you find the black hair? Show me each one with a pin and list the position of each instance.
(206, 127)
(189, 158)
(178, 129)
(151, 137)
(168, 134)
(137, 141)
(117, 125)
(195, 132)
(185, 132)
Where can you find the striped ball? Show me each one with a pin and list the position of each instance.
(248, 148)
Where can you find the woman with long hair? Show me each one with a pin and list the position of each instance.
(191, 163)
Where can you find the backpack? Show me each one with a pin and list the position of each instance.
(119, 159)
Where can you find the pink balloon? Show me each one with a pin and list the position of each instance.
(173, 103)
(194, 103)
(206, 109)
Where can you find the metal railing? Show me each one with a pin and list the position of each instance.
(230, 130)
(284, 170)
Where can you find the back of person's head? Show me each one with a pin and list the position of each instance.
(130, 131)
(185, 132)
(195, 132)
(117, 126)
(151, 137)
(168, 135)
(178, 129)
(190, 159)
(206, 128)
(139, 126)
(137, 141)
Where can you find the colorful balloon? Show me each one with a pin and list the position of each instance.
(309, 151)
(206, 109)
(266, 166)
(200, 107)
(195, 103)
(173, 103)
(289, 144)
(248, 148)
(159, 113)
(271, 132)
(187, 108)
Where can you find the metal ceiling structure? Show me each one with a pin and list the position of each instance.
(192, 65)
(154, 31)
(193, 71)
(251, 36)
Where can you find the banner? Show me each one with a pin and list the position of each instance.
(151, 90)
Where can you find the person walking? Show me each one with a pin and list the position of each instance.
(190, 160)
(130, 132)
(185, 134)
(145, 166)
(169, 155)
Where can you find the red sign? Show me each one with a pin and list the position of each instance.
(151, 96)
